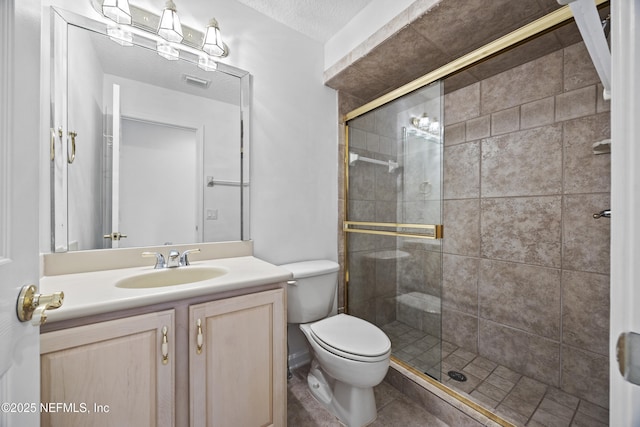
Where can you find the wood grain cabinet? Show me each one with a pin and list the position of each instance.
(123, 371)
(237, 361)
(112, 373)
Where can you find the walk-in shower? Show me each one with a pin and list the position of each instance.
(394, 218)
(469, 231)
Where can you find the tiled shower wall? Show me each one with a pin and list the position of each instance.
(526, 267)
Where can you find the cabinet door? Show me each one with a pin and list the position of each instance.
(237, 361)
(114, 373)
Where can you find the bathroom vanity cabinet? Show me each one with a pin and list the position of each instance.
(237, 365)
(214, 363)
(109, 373)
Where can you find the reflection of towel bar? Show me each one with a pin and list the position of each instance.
(353, 158)
(213, 182)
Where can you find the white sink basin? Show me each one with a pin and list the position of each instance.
(170, 277)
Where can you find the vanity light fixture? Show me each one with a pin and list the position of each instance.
(120, 35)
(212, 43)
(206, 63)
(170, 28)
(167, 51)
(172, 39)
(426, 124)
(117, 10)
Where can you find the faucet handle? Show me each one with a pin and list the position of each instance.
(159, 258)
(184, 259)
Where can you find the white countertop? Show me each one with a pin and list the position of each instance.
(91, 293)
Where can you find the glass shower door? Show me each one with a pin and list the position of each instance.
(393, 224)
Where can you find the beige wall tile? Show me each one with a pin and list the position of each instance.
(529, 82)
(529, 354)
(478, 128)
(505, 121)
(522, 163)
(578, 68)
(577, 103)
(460, 283)
(455, 134)
(462, 232)
(363, 309)
(521, 296)
(586, 375)
(462, 169)
(524, 229)
(585, 311)
(460, 329)
(586, 240)
(585, 172)
(432, 272)
(537, 113)
(463, 104)
(361, 272)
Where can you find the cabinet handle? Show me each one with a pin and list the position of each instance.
(165, 345)
(199, 337)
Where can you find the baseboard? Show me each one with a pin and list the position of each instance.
(299, 358)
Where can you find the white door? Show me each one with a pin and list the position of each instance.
(625, 202)
(19, 137)
(158, 160)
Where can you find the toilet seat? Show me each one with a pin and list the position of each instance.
(352, 338)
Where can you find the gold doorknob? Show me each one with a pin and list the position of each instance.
(32, 306)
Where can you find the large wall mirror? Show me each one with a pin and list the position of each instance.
(145, 151)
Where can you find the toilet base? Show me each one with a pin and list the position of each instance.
(353, 406)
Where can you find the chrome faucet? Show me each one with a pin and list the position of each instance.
(174, 259)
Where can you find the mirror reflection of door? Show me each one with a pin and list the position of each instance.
(158, 165)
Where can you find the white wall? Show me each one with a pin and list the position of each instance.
(294, 130)
(294, 136)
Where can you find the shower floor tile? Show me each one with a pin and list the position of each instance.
(522, 400)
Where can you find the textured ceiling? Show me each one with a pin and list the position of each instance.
(318, 19)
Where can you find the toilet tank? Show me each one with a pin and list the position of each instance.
(311, 293)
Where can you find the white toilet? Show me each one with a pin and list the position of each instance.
(350, 355)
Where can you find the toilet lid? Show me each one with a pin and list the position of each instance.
(351, 337)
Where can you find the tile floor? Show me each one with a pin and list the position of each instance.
(394, 408)
(520, 399)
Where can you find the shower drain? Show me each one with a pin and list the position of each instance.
(457, 376)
